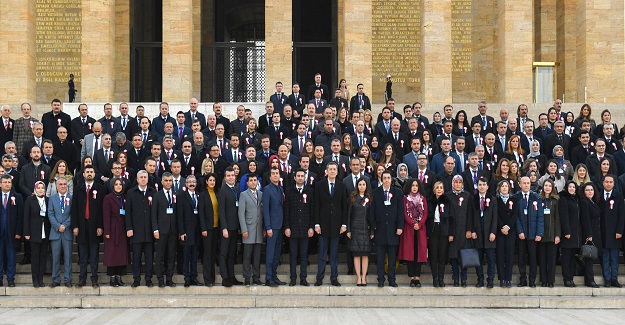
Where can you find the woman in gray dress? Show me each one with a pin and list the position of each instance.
(358, 231)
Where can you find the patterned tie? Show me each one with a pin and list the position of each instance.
(482, 203)
(62, 203)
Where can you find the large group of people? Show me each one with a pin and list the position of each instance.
(311, 174)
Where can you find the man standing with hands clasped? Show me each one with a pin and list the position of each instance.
(386, 216)
(273, 200)
(251, 221)
(530, 230)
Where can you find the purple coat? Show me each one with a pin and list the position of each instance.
(115, 247)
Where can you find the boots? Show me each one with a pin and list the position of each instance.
(120, 283)
(113, 281)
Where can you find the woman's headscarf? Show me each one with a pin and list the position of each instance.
(452, 184)
(113, 180)
(559, 160)
(398, 168)
(44, 187)
(533, 154)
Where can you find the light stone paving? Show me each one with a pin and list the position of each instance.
(309, 316)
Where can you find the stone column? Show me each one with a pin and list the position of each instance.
(436, 52)
(177, 50)
(17, 50)
(515, 52)
(98, 51)
(566, 49)
(356, 54)
(197, 49)
(600, 42)
(278, 48)
(122, 50)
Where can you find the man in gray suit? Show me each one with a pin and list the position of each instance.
(356, 173)
(92, 142)
(251, 221)
(61, 236)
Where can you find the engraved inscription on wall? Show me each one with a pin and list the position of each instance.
(396, 48)
(462, 48)
(58, 44)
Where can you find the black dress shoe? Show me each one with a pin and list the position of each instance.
(615, 283)
(550, 285)
(463, 283)
(161, 284)
(502, 283)
(120, 282)
(149, 284)
(380, 284)
(336, 283)
(272, 284)
(304, 283)
(417, 283)
(292, 283)
(236, 282)
(25, 261)
(68, 285)
(135, 284)
(42, 284)
(479, 284)
(276, 280)
(532, 285)
(412, 284)
(441, 283)
(393, 284)
(435, 283)
(490, 285)
(81, 284)
(195, 282)
(187, 284)
(318, 283)
(592, 285)
(11, 284)
(54, 284)
(113, 282)
(36, 285)
(544, 284)
(170, 283)
(247, 282)
(522, 283)
(94, 284)
(257, 282)
(456, 283)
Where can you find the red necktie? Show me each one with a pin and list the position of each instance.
(482, 203)
(87, 205)
(421, 176)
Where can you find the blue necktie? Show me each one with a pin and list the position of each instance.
(331, 189)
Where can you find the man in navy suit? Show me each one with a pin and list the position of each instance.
(273, 201)
(279, 99)
(61, 236)
(11, 224)
(386, 217)
(193, 115)
(181, 131)
(320, 103)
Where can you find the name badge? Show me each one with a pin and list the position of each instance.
(547, 211)
(170, 210)
(196, 212)
(42, 213)
(122, 212)
(237, 203)
(387, 202)
(525, 211)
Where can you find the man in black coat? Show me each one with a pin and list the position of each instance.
(557, 138)
(189, 229)
(139, 227)
(137, 154)
(318, 86)
(330, 219)
(298, 224)
(487, 122)
(53, 119)
(11, 226)
(612, 222)
(165, 229)
(32, 172)
(229, 222)
(386, 217)
(87, 224)
(360, 100)
(6, 129)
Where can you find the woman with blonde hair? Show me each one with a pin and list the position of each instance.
(580, 176)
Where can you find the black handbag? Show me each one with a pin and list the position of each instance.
(589, 251)
(470, 257)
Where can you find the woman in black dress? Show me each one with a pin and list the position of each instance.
(506, 236)
(37, 231)
(359, 232)
(439, 233)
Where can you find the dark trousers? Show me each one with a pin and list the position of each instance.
(569, 262)
(609, 261)
(456, 270)
(529, 248)
(251, 261)
(490, 262)
(39, 255)
(210, 255)
(165, 256)
(274, 248)
(147, 250)
(382, 251)
(505, 255)
(7, 257)
(414, 267)
(227, 252)
(331, 244)
(115, 270)
(547, 255)
(438, 245)
(298, 245)
(189, 263)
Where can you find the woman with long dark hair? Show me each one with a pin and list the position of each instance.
(548, 245)
(115, 241)
(413, 240)
(359, 233)
(439, 227)
(506, 236)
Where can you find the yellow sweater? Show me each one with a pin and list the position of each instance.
(211, 192)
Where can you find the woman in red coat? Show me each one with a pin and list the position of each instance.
(413, 242)
(115, 243)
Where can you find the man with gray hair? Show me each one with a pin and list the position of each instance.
(35, 139)
(22, 128)
(64, 149)
(558, 137)
(6, 131)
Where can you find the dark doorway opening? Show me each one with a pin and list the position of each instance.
(146, 50)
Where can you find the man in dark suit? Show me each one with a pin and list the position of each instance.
(11, 226)
(297, 100)
(543, 129)
(137, 154)
(501, 138)
(134, 123)
(6, 130)
(338, 101)
(330, 218)
(234, 153)
(298, 224)
(580, 152)
(612, 223)
(386, 217)
(299, 140)
(619, 157)
(335, 155)
(593, 161)
(110, 125)
(103, 158)
(273, 216)
(484, 229)
(279, 99)
(528, 136)
(320, 103)
(400, 141)
(53, 119)
(32, 172)
(139, 227)
(384, 126)
(124, 120)
(612, 144)
(557, 138)
(277, 132)
(189, 229)
(81, 126)
(265, 120)
(64, 149)
(165, 229)
(475, 138)
(323, 89)
(356, 174)
(492, 152)
(148, 136)
(229, 222)
(35, 140)
(48, 157)
(87, 224)
(360, 138)
(360, 100)
(159, 121)
(181, 131)
(487, 122)
(193, 114)
(472, 174)
(426, 176)
(390, 103)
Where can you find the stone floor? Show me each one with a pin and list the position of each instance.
(310, 316)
